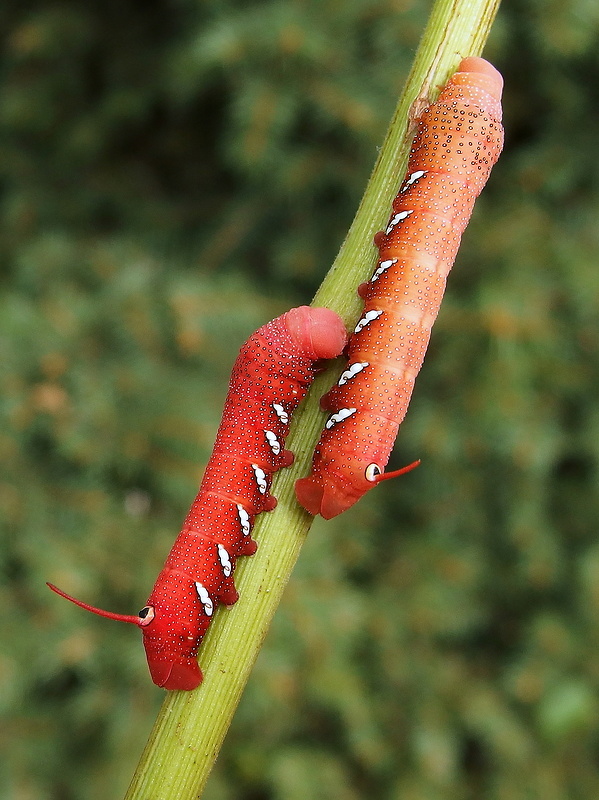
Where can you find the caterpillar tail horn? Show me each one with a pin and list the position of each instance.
(384, 476)
(136, 620)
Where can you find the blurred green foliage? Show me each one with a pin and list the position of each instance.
(173, 175)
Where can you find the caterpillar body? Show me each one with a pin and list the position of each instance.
(270, 377)
(458, 140)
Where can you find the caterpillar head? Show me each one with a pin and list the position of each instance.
(170, 640)
(329, 491)
(171, 651)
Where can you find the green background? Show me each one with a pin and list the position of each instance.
(173, 175)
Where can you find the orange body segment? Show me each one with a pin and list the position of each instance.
(458, 140)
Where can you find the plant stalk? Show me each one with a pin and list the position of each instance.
(191, 726)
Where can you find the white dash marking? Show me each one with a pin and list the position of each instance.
(339, 416)
(369, 316)
(382, 267)
(205, 599)
(351, 372)
(396, 219)
(225, 560)
(274, 443)
(260, 479)
(415, 176)
(244, 520)
(281, 413)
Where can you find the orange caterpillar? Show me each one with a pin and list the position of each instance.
(459, 139)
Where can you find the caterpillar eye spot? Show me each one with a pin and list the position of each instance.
(372, 472)
(146, 615)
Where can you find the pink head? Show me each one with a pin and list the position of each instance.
(170, 644)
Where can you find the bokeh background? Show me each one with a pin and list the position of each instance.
(173, 175)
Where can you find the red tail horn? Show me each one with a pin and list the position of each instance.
(384, 476)
(121, 617)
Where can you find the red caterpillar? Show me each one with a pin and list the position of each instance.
(458, 140)
(272, 374)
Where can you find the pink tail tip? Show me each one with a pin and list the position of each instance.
(319, 330)
(327, 332)
(483, 67)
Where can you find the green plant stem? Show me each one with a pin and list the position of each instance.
(191, 726)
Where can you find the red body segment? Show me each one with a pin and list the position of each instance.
(458, 140)
(271, 376)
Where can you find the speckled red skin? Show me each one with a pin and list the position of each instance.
(272, 374)
(276, 365)
(458, 140)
